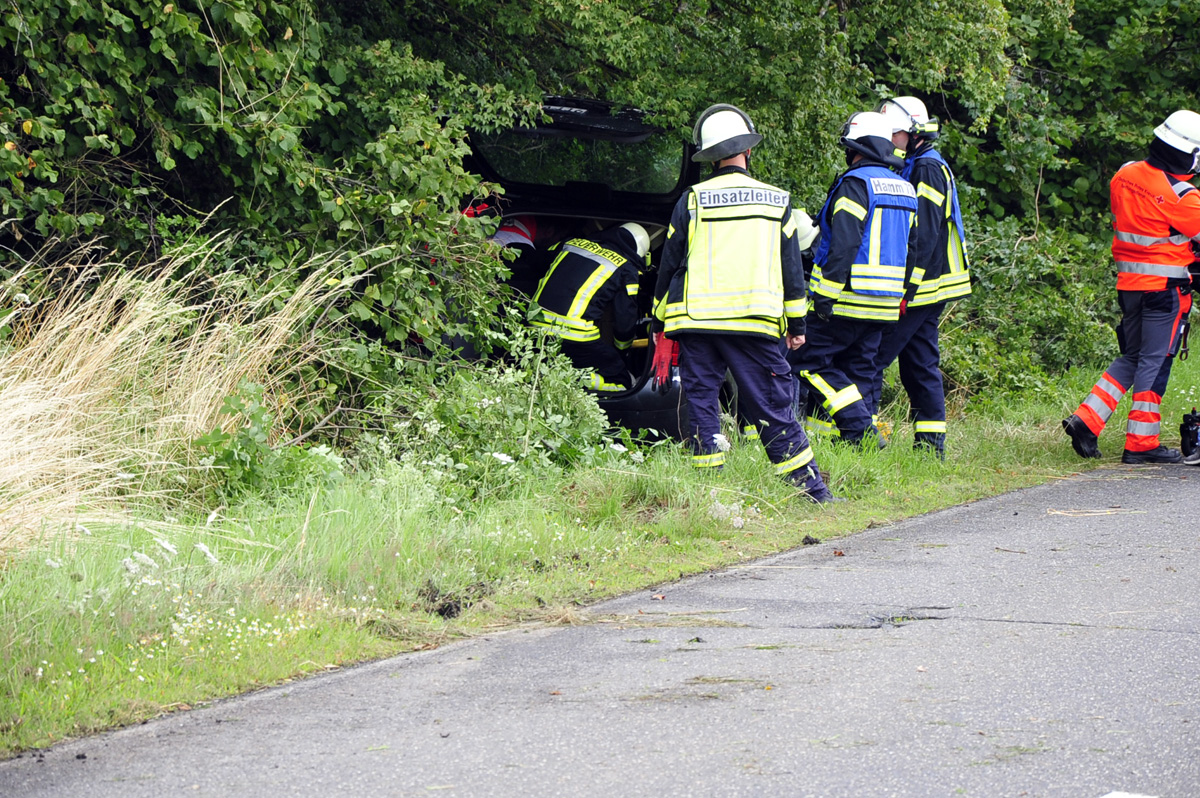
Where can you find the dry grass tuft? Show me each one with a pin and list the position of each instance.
(104, 384)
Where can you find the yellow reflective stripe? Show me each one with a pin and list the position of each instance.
(930, 426)
(842, 399)
(873, 250)
(877, 277)
(622, 344)
(567, 328)
(789, 227)
(595, 382)
(823, 287)
(708, 460)
(684, 323)
(849, 206)
(792, 463)
(866, 313)
(795, 308)
(750, 432)
(834, 400)
(587, 291)
(660, 308)
(822, 426)
(631, 289)
(930, 193)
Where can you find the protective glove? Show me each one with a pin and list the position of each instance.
(903, 306)
(666, 354)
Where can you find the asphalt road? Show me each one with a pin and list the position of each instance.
(1043, 643)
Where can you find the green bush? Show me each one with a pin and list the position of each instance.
(1041, 303)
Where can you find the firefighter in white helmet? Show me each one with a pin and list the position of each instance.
(730, 285)
(861, 275)
(587, 278)
(1156, 221)
(939, 260)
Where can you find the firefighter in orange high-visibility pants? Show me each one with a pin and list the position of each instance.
(1156, 218)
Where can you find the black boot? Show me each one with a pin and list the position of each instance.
(1082, 438)
(1161, 455)
(931, 442)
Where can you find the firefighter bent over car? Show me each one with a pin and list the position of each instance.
(730, 284)
(587, 278)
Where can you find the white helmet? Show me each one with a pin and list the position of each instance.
(806, 229)
(723, 131)
(641, 239)
(908, 114)
(870, 133)
(1181, 130)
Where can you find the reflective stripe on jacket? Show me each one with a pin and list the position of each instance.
(942, 255)
(878, 274)
(1156, 215)
(582, 281)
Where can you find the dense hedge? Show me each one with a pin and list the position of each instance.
(310, 126)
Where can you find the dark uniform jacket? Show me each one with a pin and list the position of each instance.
(587, 277)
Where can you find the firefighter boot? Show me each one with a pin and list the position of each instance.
(808, 480)
(1082, 438)
(934, 442)
(1161, 455)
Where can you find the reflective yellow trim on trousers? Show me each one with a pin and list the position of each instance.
(714, 460)
(821, 426)
(750, 432)
(834, 400)
(792, 463)
(930, 426)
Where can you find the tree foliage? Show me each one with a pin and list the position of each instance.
(319, 126)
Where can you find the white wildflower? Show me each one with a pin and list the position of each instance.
(167, 547)
(130, 565)
(722, 442)
(83, 529)
(125, 475)
(616, 447)
(144, 560)
(212, 558)
(22, 299)
(503, 458)
(53, 563)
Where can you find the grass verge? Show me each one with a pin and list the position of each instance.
(124, 621)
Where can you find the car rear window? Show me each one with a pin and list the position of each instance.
(613, 152)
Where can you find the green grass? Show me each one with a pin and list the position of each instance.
(119, 622)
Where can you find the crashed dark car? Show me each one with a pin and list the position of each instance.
(593, 166)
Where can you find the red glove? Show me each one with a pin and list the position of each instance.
(666, 354)
(903, 306)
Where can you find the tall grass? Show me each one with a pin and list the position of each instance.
(104, 381)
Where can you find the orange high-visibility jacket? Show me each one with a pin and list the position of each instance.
(1157, 215)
